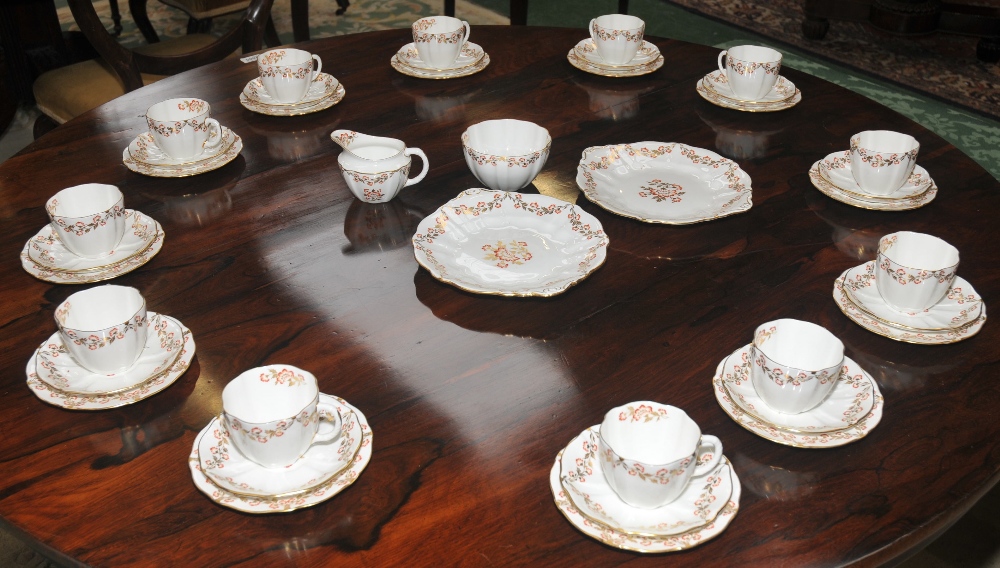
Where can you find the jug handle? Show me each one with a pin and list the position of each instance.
(420, 176)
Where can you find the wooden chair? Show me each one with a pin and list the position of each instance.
(519, 10)
(64, 93)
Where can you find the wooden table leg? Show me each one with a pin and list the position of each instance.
(300, 20)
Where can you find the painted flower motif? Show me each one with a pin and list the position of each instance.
(282, 377)
(662, 476)
(748, 67)
(280, 72)
(611, 35)
(879, 159)
(95, 341)
(644, 413)
(95, 222)
(516, 252)
(194, 105)
(272, 57)
(661, 191)
(904, 276)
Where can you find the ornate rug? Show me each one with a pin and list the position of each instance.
(941, 65)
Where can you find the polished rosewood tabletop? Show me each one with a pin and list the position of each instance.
(270, 259)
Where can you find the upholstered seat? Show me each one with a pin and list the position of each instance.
(206, 9)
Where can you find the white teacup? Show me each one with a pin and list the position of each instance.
(287, 73)
(649, 451)
(794, 364)
(439, 39)
(617, 37)
(104, 328)
(914, 270)
(751, 70)
(89, 219)
(882, 160)
(273, 414)
(182, 127)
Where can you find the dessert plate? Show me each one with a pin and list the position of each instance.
(323, 86)
(637, 543)
(878, 204)
(510, 244)
(144, 157)
(280, 503)
(830, 439)
(406, 69)
(851, 399)
(660, 182)
(470, 56)
(142, 390)
(836, 169)
(713, 96)
(55, 367)
(647, 54)
(589, 492)
(231, 470)
(578, 61)
(868, 318)
(46, 258)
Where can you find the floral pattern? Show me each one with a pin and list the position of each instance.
(95, 341)
(271, 57)
(82, 226)
(661, 191)
(168, 129)
(642, 413)
(749, 67)
(504, 254)
(280, 72)
(843, 196)
(881, 159)
(446, 37)
(283, 377)
(511, 161)
(605, 34)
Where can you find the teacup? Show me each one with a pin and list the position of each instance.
(750, 70)
(287, 73)
(89, 219)
(104, 328)
(439, 39)
(914, 271)
(272, 414)
(617, 37)
(649, 451)
(182, 127)
(794, 364)
(882, 160)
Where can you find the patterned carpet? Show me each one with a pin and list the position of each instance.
(942, 65)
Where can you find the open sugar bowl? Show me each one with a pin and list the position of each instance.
(506, 154)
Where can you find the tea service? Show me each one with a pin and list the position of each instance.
(376, 168)
(291, 83)
(793, 385)
(279, 444)
(91, 237)
(109, 351)
(440, 50)
(748, 79)
(183, 140)
(616, 48)
(911, 292)
(646, 479)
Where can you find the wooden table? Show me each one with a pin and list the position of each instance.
(271, 260)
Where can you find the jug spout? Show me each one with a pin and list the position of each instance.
(344, 137)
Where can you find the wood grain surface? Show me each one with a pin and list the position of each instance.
(270, 259)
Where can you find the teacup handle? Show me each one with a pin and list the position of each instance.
(319, 67)
(710, 448)
(329, 413)
(420, 176)
(468, 32)
(721, 66)
(213, 139)
(593, 30)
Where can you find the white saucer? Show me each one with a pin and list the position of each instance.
(851, 399)
(832, 439)
(294, 109)
(143, 156)
(471, 55)
(45, 257)
(143, 390)
(603, 69)
(231, 470)
(283, 504)
(836, 169)
(589, 492)
(323, 86)
(55, 367)
(874, 203)
(860, 301)
(637, 543)
(647, 54)
(427, 73)
(714, 88)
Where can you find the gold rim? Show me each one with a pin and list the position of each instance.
(864, 196)
(325, 95)
(613, 67)
(282, 107)
(583, 65)
(482, 54)
(709, 87)
(168, 172)
(831, 191)
(719, 101)
(192, 162)
(857, 304)
(412, 72)
(55, 277)
(103, 266)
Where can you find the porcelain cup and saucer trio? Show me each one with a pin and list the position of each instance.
(616, 48)
(291, 82)
(440, 50)
(749, 79)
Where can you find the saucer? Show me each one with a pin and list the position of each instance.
(650, 544)
(471, 55)
(142, 156)
(851, 399)
(589, 492)
(875, 203)
(714, 88)
(771, 432)
(953, 319)
(663, 182)
(55, 366)
(45, 257)
(142, 390)
(577, 60)
(285, 503)
(322, 87)
(586, 50)
(427, 73)
(836, 169)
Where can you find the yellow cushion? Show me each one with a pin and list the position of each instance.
(70, 91)
(202, 9)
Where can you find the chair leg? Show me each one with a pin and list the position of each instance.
(300, 20)
(271, 34)
(518, 12)
(138, 9)
(449, 7)
(116, 17)
(343, 6)
(623, 6)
